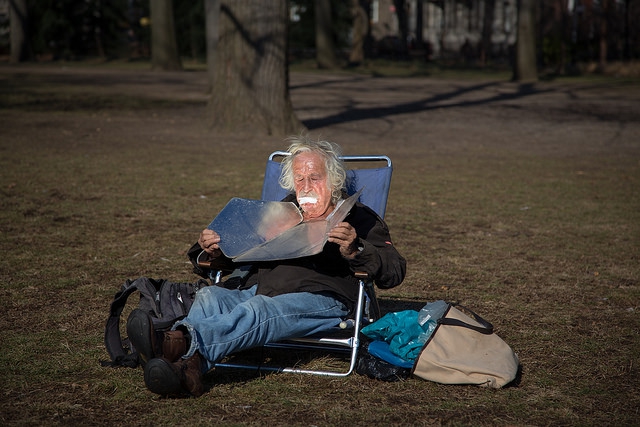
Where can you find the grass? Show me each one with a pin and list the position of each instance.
(97, 187)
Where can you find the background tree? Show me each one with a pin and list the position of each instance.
(487, 30)
(419, 24)
(250, 79)
(606, 9)
(325, 46)
(525, 69)
(19, 31)
(190, 29)
(589, 32)
(403, 26)
(627, 32)
(212, 25)
(360, 30)
(164, 48)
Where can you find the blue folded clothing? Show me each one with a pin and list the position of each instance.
(381, 350)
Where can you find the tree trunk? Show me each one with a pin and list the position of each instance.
(604, 34)
(403, 26)
(212, 28)
(164, 48)
(487, 30)
(627, 49)
(325, 48)
(525, 69)
(19, 31)
(251, 80)
(360, 25)
(419, 25)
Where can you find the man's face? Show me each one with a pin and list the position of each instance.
(312, 189)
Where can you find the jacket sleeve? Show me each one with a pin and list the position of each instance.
(203, 269)
(378, 256)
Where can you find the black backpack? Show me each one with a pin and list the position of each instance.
(166, 302)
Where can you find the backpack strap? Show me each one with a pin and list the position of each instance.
(112, 338)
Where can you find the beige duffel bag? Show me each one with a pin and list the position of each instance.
(464, 350)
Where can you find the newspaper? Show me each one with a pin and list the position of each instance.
(257, 230)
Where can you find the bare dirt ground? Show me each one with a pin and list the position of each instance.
(405, 113)
(520, 201)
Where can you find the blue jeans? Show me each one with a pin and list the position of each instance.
(223, 321)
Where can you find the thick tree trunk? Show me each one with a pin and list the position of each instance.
(325, 47)
(251, 80)
(525, 69)
(19, 31)
(164, 48)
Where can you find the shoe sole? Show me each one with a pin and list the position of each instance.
(140, 334)
(160, 378)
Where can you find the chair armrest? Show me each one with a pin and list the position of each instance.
(361, 275)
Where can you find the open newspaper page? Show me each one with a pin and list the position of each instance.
(254, 230)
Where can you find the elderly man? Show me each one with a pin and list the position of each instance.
(279, 299)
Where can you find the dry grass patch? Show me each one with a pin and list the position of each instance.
(529, 217)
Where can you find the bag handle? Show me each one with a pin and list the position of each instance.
(486, 328)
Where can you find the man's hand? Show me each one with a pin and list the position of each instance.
(344, 235)
(208, 241)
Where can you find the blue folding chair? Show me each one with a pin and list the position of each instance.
(372, 174)
(375, 182)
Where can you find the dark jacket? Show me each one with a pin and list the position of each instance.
(328, 271)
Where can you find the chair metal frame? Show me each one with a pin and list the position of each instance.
(327, 341)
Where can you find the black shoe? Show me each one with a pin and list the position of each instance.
(182, 378)
(142, 335)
